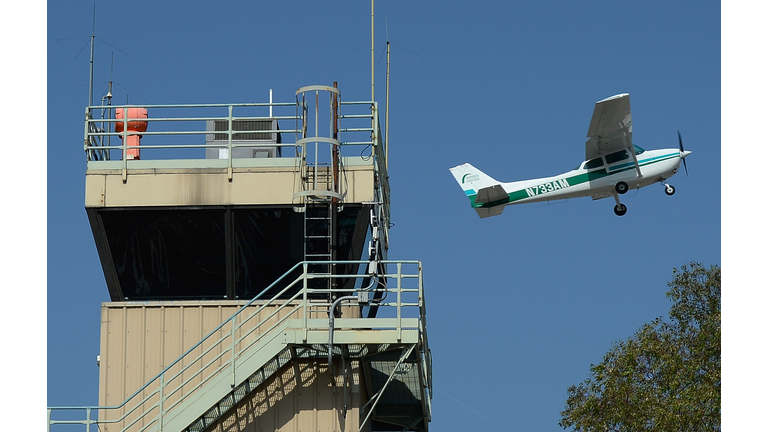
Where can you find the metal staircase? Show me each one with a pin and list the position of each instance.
(263, 337)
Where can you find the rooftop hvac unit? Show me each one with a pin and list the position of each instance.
(260, 140)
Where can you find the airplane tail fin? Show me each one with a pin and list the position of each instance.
(480, 188)
(472, 179)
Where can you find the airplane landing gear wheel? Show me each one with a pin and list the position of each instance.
(620, 210)
(669, 190)
(622, 188)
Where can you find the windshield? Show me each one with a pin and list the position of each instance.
(620, 155)
(616, 157)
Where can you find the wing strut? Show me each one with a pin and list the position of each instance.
(630, 147)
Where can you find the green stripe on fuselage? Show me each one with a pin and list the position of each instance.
(571, 181)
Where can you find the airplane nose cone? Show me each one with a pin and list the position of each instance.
(685, 153)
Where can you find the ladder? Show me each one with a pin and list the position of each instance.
(320, 172)
(319, 241)
(319, 228)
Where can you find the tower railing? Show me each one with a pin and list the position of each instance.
(177, 136)
(401, 307)
(181, 120)
(182, 131)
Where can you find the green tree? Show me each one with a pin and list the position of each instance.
(666, 377)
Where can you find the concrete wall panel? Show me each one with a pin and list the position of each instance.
(185, 187)
(140, 339)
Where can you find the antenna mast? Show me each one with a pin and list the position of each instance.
(111, 72)
(93, 36)
(373, 96)
(386, 121)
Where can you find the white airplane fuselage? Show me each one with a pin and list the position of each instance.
(655, 166)
(601, 177)
(614, 165)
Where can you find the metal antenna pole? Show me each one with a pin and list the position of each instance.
(373, 96)
(386, 120)
(109, 100)
(93, 36)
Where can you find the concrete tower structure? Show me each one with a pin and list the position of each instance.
(244, 247)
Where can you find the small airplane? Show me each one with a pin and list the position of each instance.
(614, 165)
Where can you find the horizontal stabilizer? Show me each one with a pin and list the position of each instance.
(491, 194)
(485, 212)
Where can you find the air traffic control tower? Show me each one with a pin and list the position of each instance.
(244, 247)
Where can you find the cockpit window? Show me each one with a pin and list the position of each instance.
(594, 163)
(638, 149)
(616, 157)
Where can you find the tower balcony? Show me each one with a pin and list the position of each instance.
(206, 201)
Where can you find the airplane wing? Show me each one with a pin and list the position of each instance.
(610, 121)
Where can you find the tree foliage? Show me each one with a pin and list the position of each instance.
(666, 377)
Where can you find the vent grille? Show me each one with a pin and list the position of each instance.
(243, 125)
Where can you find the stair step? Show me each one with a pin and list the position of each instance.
(239, 392)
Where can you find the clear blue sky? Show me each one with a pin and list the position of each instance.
(519, 305)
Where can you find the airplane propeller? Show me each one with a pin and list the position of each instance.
(682, 152)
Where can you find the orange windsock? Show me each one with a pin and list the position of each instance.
(134, 125)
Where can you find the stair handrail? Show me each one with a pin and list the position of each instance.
(235, 354)
(175, 362)
(236, 341)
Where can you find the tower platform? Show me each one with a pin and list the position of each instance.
(185, 218)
